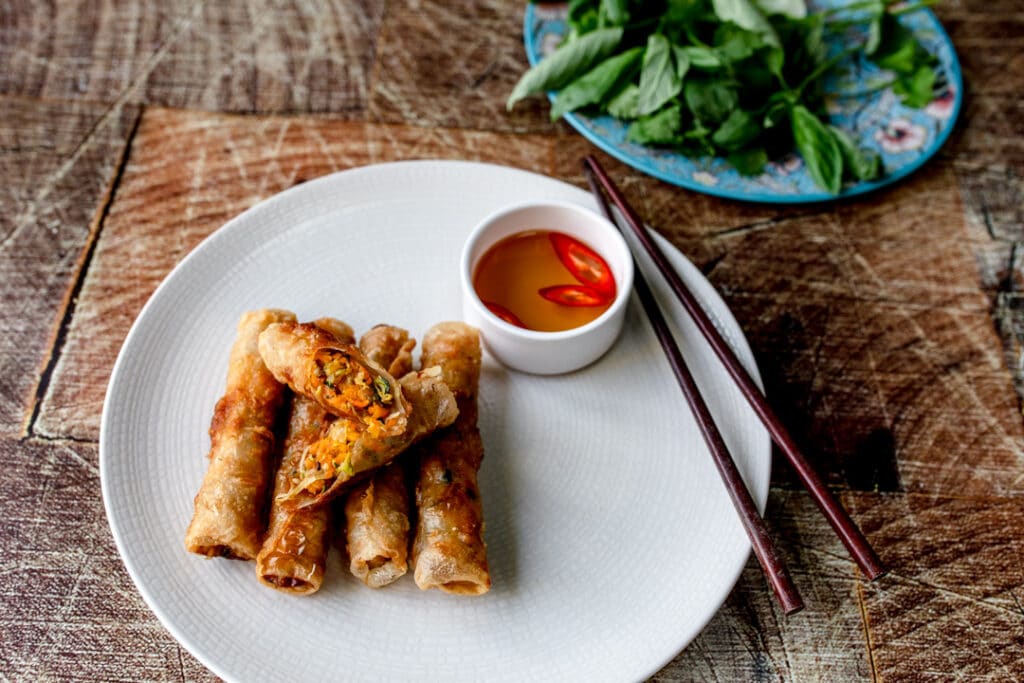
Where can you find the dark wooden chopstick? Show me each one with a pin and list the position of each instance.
(764, 549)
(855, 542)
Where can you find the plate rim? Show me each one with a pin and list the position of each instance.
(191, 642)
(862, 187)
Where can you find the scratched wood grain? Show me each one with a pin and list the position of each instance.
(462, 80)
(258, 55)
(173, 195)
(951, 608)
(68, 610)
(57, 162)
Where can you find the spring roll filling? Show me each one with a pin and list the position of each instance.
(352, 389)
(325, 459)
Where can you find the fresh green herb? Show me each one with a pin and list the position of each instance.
(626, 104)
(749, 162)
(819, 149)
(592, 87)
(739, 129)
(743, 79)
(569, 61)
(861, 164)
(660, 128)
(661, 78)
(710, 99)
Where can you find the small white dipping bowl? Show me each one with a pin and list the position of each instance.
(548, 353)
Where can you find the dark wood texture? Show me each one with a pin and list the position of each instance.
(57, 164)
(889, 329)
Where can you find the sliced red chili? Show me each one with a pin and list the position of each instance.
(574, 295)
(505, 314)
(585, 264)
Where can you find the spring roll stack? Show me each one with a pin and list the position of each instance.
(377, 510)
(294, 552)
(448, 550)
(354, 410)
(228, 515)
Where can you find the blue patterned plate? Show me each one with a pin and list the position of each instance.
(904, 137)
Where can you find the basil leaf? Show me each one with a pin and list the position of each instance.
(750, 161)
(862, 164)
(660, 81)
(625, 104)
(593, 86)
(566, 63)
(682, 61)
(794, 9)
(736, 131)
(710, 100)
(819, 149)
(660, 128)
(615, 12)
(744, 14)
(897, 49)
(917, 89)
(735, 44)
(701, 57)
(774, 59)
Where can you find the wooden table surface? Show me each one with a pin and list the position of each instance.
(888, 328)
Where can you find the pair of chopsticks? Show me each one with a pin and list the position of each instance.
(764, 549)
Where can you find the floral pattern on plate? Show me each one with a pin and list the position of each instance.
(905, 138)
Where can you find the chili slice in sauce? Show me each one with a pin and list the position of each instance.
(503, 313)
(585, 264)
(574, 295)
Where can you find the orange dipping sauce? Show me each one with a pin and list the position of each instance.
(544, 280)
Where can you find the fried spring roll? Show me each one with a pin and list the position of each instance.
(448, 551)
(294, 552)
(377, 509)
(228, 520)
(389, 347)
(335, 375)
(350, 450)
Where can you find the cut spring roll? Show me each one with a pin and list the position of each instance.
(294, 552)
(228, 520)
(335, 375)
(389, 347)
(350, 450)
(377, 509)
(448, 551)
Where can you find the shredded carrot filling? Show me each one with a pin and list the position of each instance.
(324, 461)
(350, 385)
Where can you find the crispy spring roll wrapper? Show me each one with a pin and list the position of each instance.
(350, 450)
(294, 552)
(338, 376)
(389, 347)
(228, 520)
(377, 509)
(377, 527)
(448, 551)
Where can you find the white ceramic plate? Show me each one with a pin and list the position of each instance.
(610, 537)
